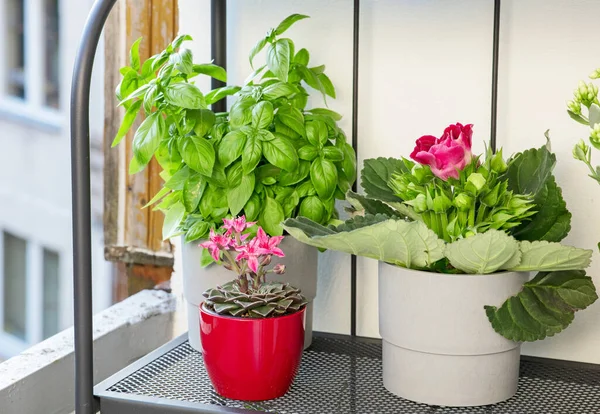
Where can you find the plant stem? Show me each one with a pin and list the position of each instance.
(444, 223)
(481, 213)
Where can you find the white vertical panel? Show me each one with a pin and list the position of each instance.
(423, 65)
(547, 47)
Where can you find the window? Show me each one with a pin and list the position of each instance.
(15, 276)
(51, 291)
(30, 47)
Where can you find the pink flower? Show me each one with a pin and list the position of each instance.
(251, 252)
(269, 244)
(237, 224)
(448, 154)
(216, 243)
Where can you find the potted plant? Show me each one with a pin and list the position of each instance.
(268, 157)
(252, 329)
(457, 236)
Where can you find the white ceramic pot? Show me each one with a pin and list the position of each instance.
(438, 345)
(301, 272)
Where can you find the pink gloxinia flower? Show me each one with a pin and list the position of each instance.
(237, 225)
(215, 243)
(448, 154)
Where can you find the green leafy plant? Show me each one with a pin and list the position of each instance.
(452, 212)
(269, 157)
(249, 295)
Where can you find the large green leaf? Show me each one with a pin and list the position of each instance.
(407, 244)
(212, 70)
(217, 94)
(241, 113)
(128, 119)
(376, 175)
(371, 206)
(484, 252)
(549, 257)
(184, 95)
(324, 177)
(237, 197)
(262, 115)
(192, 191)
(203, 120)
(528, 171)
(198, 154)
(231, 147)
(251, 155)
(552, 222)
(173, 217)
(278, 58)
(544, 307)
(281, 153)
(312, 208)
(288, 21)
(292, 118)
(271, 217)
(147, 140)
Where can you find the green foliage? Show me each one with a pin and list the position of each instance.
(544, 307)
(270, 157)
(270, 299)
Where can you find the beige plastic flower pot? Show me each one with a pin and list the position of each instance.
(301, 272)
(438, 345)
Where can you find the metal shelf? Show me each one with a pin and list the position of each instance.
(339, 374)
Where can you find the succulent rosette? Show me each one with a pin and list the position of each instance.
(447, 210)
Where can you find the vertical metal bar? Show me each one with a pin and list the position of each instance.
(80, 179)
(355, 48)
(218, 28)
(495, 62)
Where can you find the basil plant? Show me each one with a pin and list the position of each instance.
(268, 158)
(484, 216)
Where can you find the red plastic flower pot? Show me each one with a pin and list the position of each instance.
(251, 359)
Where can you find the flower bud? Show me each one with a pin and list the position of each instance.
(419, 203)
(453, 229)
(580, 151)
(266, 260)
(421, 173)
(498, 164)
(574, 107)
(469, 233)
(477, 181)
(491, 198)
(595, 136)
(595, 74)
(463, 202)
(279, 269)
(441, 203)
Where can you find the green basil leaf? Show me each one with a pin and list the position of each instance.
(184, 95)
(323, 175)
(285, 130)
(302, 57)
(214, 71)
(173, 218)
(231, 147)
(293, 177)
(198, 154)
(271, 217)
(264, 135)
(198, 231)
(281, 153)
(349, 163)
(218, 177)
(328, 87)
(252, 207)
(289, 203)
(234, 175)
(175, 44)
(311, 207)
(288, 21)
(292, 118)
(128, 120)
(312, 80)
(316, 132)
(278, 59)
(306, 189)
(149, 98)
(278, 89)
(308, 152)
(163, 192)
(237, 197)
(262, 115)
(129, 96)
(326, 112)
(260, 45)
(214, 203)
(192, 191)
(134, 55)
(333, 153)
(267, 170)
(168, 156)
(203, 119)
(147, 139)
(251, 155)
(182, 61)
(217, 94)
(177, 180)
(241, 113)
(268, 180)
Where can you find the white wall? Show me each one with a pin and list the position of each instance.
(423, 65)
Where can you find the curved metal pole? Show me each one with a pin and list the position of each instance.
(80, 180)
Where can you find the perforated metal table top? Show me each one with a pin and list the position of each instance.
(337, 375)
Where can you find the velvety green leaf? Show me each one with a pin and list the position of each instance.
(406, 244)
(134, 55)
(262, 115)
(203, 119)
(528, 171)
(237, 197)
(251, 155)
(376, 175)
(217, 94)
(333, 154)
(271, 217)
(260, 45)
(211, 70)
(324, 177)
(281, 153)
(231, 147)
(484, 253)
(147, 139)
(544, 307)
(173, 218)
(198, 154)
(184, 95)
(549, 257)
(594, 114)
(371, 206)
(295, 176)
(192, 191)
(287, 22)
(128, 120)
(316, 132)
(552, 221)
(327, 85)
(326, 112)
(278, 59)
(241, 113)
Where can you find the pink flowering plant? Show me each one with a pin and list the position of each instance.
(448, 210)
(249, 256)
